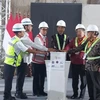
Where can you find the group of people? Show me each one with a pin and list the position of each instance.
(82, 50)
(85, 61)
(18, 55)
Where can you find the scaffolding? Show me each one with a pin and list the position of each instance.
(4, 14)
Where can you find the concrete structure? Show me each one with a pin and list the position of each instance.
(93, 1)
(23, 6)
(90, 15)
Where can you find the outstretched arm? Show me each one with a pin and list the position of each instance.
(77, 49)
(27, 41)
(35, 51)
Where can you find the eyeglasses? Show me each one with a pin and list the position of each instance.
(44, 29)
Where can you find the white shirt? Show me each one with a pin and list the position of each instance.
(27, 57)
(38, 41)
(19, 47)
(27, 41)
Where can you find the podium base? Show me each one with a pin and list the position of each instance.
(55, 95)
(61, 99)
(57, 78)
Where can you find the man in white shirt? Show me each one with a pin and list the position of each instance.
(38, 62)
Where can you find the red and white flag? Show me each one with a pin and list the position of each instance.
(8, 32)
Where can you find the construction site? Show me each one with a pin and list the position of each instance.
(73, 12)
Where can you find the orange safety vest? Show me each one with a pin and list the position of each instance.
(40, 58)
(76, 41)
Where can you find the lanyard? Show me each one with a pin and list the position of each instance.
(76, 41)
(58, 42)
(45, 43)
(87, 51)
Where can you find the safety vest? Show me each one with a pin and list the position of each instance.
(76, 41)
(58, 42)
(87, 51)
(40, 58)
(11, 57)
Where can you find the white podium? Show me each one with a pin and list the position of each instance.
(57, 76)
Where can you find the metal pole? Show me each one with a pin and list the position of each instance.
(9, 7)
(6, 12)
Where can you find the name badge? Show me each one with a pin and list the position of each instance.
(77, 53)
(84, 57)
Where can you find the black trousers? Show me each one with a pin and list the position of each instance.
(8, 77)
(93, 82)
(21, 71)
(78, 71)
(39, 73)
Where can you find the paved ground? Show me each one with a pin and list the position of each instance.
(28, 89)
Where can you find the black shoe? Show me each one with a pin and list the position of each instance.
(74, 97)
(80, 97)
(43, 94)
(13, 98)
(34, 94)
(10, 98)
(21, 95)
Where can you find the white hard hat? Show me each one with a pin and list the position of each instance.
(43, 24)
(26, 21)
(18, 27)
(61, 23)
(92, 28)
(80, 26)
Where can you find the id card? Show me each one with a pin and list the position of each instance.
(84, 57)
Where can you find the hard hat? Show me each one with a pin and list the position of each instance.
(61, 23)
(18, 27)
(80, 26)
(26, 21)
(92, 28)
(43, 24)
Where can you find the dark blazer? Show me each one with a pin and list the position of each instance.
(91, 65)
(55, 45)
(54, 41)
